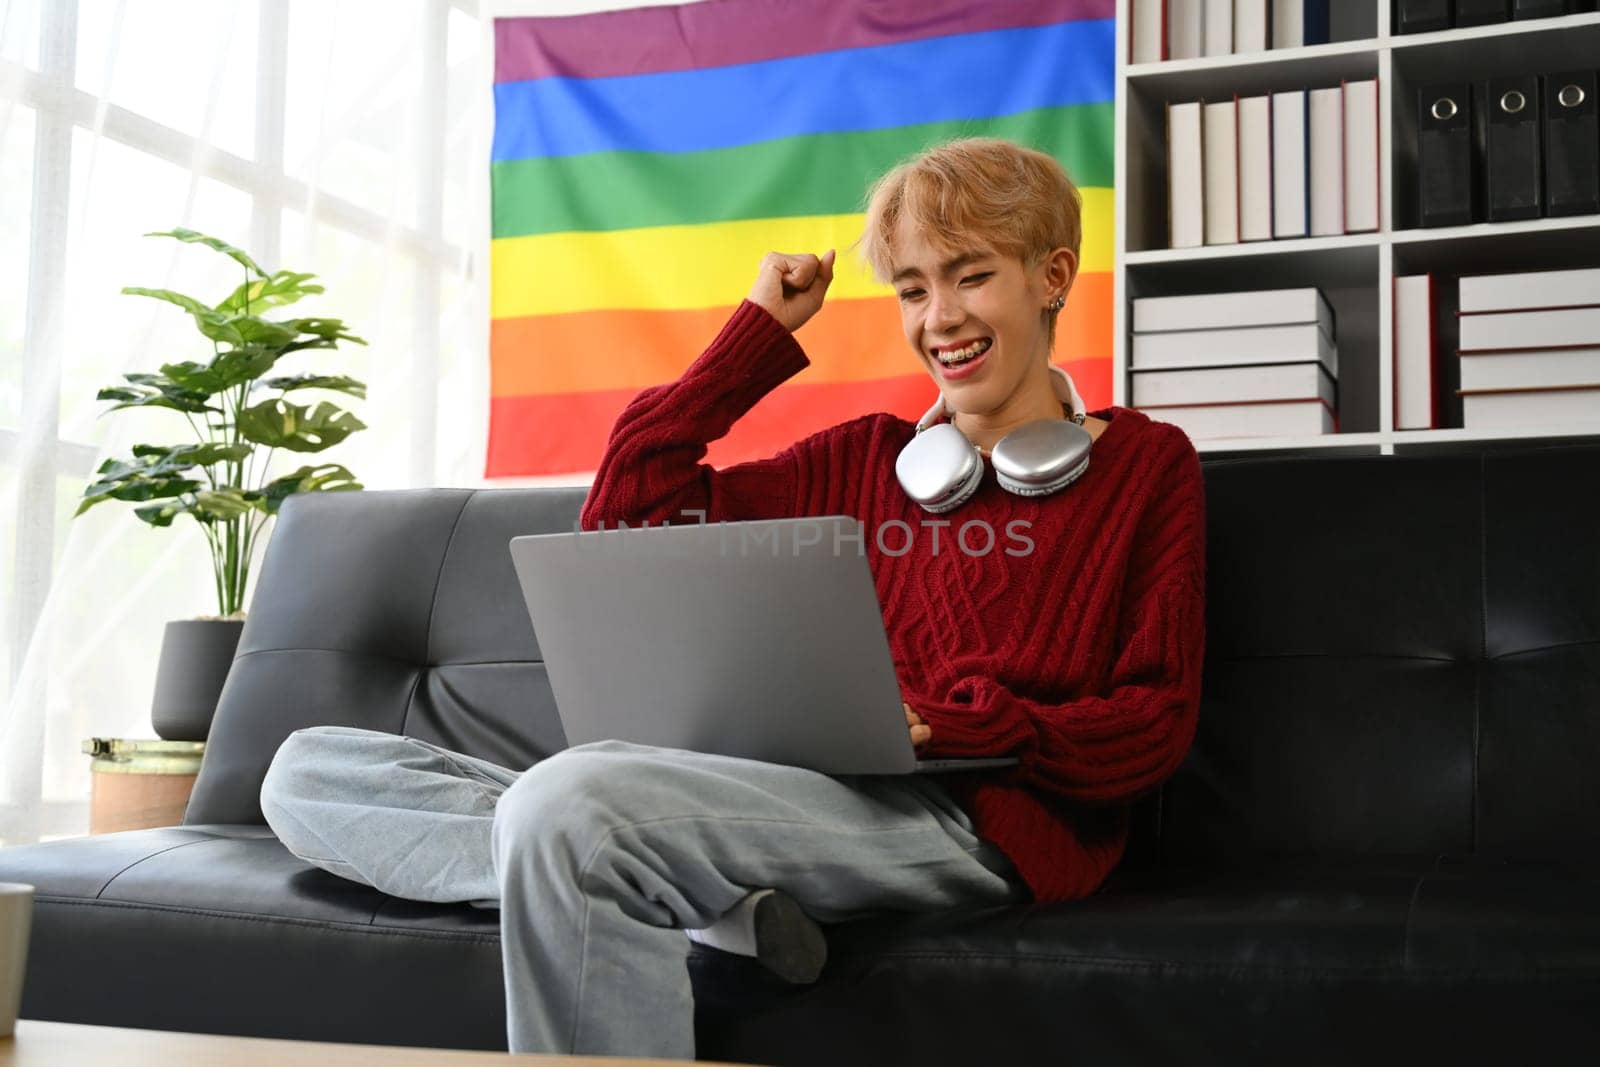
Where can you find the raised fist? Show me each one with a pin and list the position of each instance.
(791, 287)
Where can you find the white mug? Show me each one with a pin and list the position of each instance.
(16, 917)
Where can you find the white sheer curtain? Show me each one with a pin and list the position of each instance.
(348, 138)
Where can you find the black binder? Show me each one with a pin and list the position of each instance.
(1422, 16)
(1541, 9)
(1571, 144)
(1482, 12)
(1514, 185)
(1444, 154)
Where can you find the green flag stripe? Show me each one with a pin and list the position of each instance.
(813, 174)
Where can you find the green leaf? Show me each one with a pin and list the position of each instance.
(163, 513)
(280, 290)
(195, 378)
(337, 382)
(244, 364)
(135, 488)
(214, 324)
(184, 457)
(220, 505)
(327, 332)
(280, 424)
(259, 331)
(156, 391)
(327, 478)
(157, 472)
(221, 332)
(230, 368)
(192, 237)
(187, 303)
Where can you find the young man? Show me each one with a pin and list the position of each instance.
(1080, 654)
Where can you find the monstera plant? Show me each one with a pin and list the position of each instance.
(241, 408)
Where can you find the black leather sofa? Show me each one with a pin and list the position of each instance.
(1383, 844)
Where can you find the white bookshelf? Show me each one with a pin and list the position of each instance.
(1355, 271)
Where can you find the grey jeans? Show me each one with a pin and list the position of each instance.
(601, 856)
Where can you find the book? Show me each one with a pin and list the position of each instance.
(1416, 367)
(1360, 156)
(1526, 290)
(1277, 418)
(1299, 22)
(1291, 195)
(1148, 30)
(1177, 349)
(1220, 149)
(1218, 40)
(1250, 30)
(1326, 111)
(1250, 307)
(1185, 177)
(1513, 181)
(1501, 331)
(1498, 371)
(1185, 29)
(1532, 410)
(1446, 353)
(1255, 168)
(1233, 385)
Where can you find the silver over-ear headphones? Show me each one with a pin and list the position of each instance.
(940, 469)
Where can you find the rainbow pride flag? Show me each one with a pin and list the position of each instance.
(645, 160)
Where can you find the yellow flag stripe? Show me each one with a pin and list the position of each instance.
(666, 268)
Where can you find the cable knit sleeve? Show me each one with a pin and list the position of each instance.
(1110, 748)
(652, 471)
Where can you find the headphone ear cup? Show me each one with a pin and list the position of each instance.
(1042, 457)
(939, 468)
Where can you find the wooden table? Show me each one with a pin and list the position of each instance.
(41, 1044)
(136, 784)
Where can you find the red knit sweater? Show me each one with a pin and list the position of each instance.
(1081, 656)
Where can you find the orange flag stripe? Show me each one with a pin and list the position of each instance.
(848, 341)
(556, 433)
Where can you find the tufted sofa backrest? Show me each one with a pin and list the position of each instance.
(395, 610)
(1403, 657)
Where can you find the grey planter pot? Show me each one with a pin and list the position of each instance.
(195, 657)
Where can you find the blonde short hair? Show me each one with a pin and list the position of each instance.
(1017, 200)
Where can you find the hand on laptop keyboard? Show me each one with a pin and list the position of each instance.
(921, 732)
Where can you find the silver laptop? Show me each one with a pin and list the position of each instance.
(758, 639)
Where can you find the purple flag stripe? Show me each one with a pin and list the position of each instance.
(722, 33)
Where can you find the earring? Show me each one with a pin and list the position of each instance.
(1058, 303)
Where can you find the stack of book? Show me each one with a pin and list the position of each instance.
(1424, 16)
(1530, 349)
(1189, 29)
(1302, 163)
(1245, 364)
(1516, 147)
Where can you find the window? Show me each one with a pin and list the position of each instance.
(344, 139)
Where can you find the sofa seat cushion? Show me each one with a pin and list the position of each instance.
(220, 929)
(229, 932)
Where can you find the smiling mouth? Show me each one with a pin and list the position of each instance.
(965, 355)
